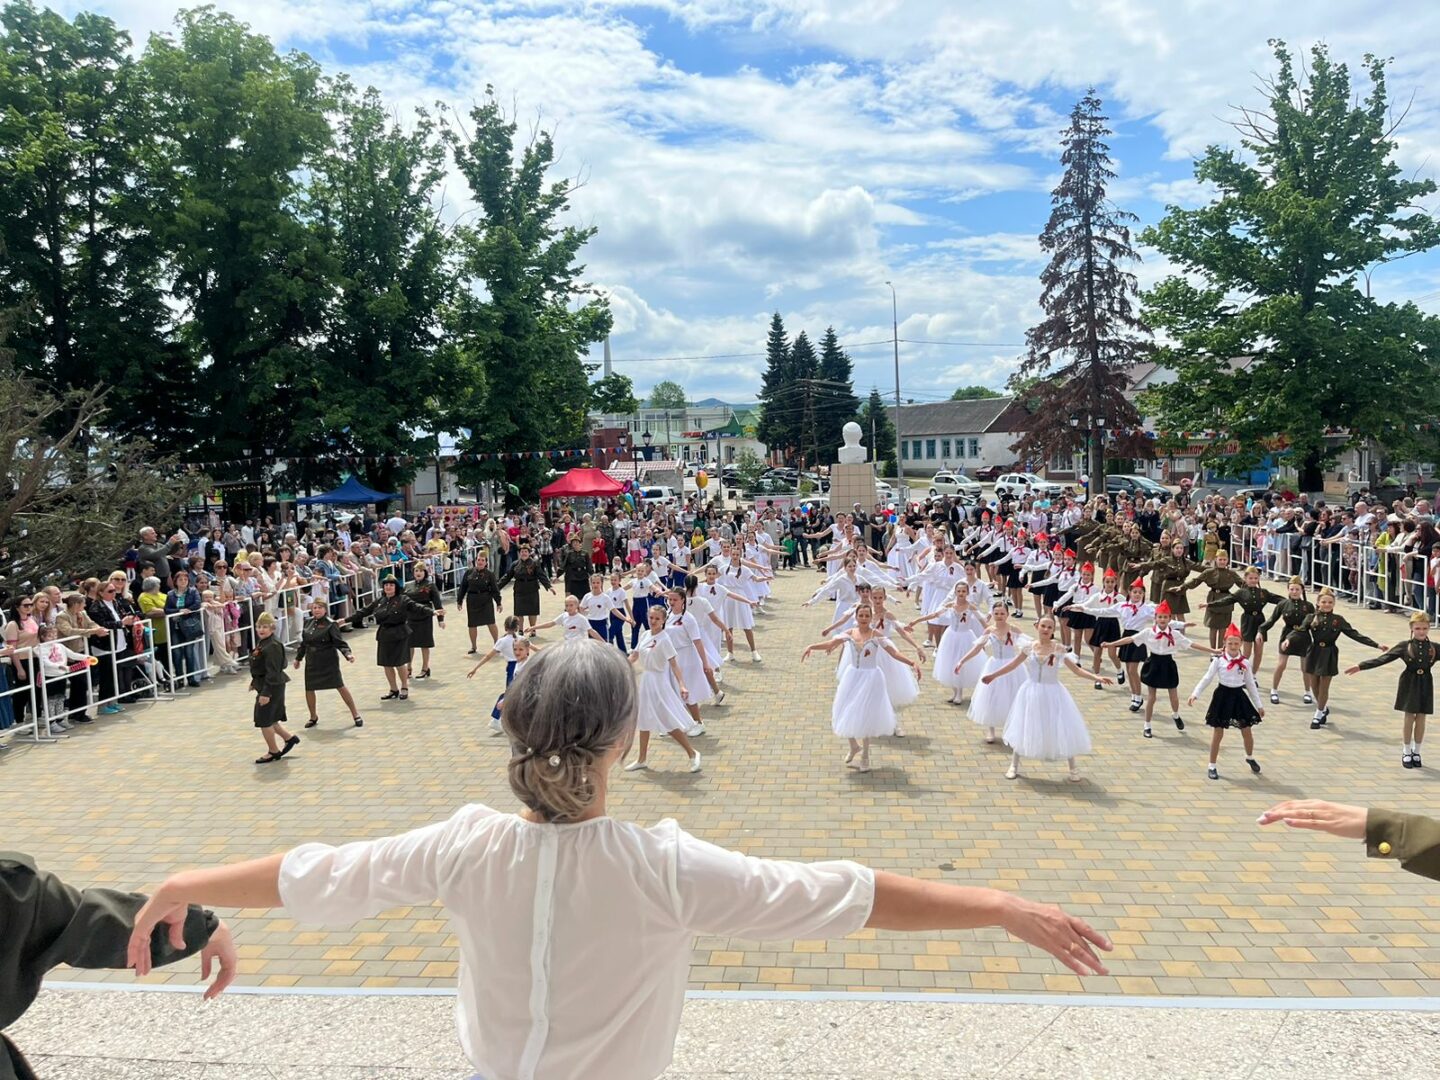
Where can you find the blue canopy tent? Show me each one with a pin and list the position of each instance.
(351, 493)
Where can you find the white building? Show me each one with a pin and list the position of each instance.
(703, 431)
(965, 435)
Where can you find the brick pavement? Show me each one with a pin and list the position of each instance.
(1172, 866)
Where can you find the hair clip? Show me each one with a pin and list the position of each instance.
(554, 761)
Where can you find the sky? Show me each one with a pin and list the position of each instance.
(741, 157)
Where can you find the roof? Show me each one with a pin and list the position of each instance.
(975, 417)
(581, 482)
(351, 493)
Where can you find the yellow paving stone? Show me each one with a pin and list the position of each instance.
(989, 980)
(1224, 954)
(1251, 987)
(943, 948)
(440, 969)
(775, 975)
(1327, 988)
(726, 959)
(1137, 985)
(862, 960)
(1064, 984)
(343, 967)
(1292, 954)
(809, 946)
(925, 962)
(1362, 955)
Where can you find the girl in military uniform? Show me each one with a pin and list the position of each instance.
(425, 594)
(1415, 695)
(392, 610)
(1322, 660)
(1221, 580)
(1169, 576)
(268, 679)
(1251, 599)
(1291, 612)
(321, 646)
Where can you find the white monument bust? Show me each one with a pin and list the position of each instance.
(852, 453)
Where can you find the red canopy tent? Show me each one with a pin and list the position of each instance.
(581, 483)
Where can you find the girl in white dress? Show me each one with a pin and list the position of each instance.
(861, 710)
(712, 628)
(963, 628)
(683, 629)
(1043, 722)
(588, 918)
(662, 692)
(719, 597)
(740, 580)
(990, 704)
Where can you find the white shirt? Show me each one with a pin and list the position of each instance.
(575, 625)
(574, 939)
(505, 646)
(1233, 672)
(396, 525)
(595, 606)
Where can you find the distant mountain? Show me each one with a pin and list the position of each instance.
(712, 403)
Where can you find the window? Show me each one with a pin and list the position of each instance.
(974, 448)
(960, 448)
(930, 449)
(915, 448)
(945, 448)
(1062, 461)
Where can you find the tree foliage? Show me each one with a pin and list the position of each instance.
(518, 323)
(804, 368)
(615, 393)
(836, 403)
(776, 428)
(1272, 333)
(666, 395)
(879, 430)
(974, 392)
(1091, 333)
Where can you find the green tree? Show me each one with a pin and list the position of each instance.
(749, 467)
(879, 430)
(837, 404)
(778, 426)
(974, 392)
(804, 369)
(518, 323)
(80, 261)
(1272, 267)
(615, 393)
(666, 395)
(1091, 334)
(235, 128)
(379, 374)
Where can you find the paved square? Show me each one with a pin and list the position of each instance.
(1172, 866)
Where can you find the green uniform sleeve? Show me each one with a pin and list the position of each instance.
(1412, 839)
(1392, 653)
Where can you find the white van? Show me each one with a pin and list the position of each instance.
(659, 496)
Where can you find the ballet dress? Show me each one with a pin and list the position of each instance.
(862, 708)
(1236, 701)
(700, 606)
(991, 704)
(962, 630)
(661, 709)
(1044, 722)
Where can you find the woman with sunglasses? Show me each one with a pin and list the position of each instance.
(108, 611)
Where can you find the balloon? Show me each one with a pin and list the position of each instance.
(630, 501)
(701, 480)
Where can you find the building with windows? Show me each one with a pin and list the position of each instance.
(703, 431)
(966, 435)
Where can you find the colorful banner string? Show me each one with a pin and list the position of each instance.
(409, 460)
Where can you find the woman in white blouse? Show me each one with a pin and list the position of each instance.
(576, 928)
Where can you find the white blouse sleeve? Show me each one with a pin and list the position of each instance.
(341, 885)
(724, 892)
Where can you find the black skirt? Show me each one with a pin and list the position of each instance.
(1107, 629)
(480, 611)
(1133, 654)
(322, 670)
(1049, 595)
(422, 633)
(1250, 625)
(392, 649)
(273, 713)
(1079, 620)
(1160, 672)
(1231, 707)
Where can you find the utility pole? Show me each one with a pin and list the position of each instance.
(899, 446)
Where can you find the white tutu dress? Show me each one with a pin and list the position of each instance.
(961, 631)
(900, 681)
(683, 630)
(862, 701)
(1043, 722)
(991, 704)
(939, 586)
(661, 710)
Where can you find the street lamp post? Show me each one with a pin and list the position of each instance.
(899, 446)
(647, 437)
(621, 442)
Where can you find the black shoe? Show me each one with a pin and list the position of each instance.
(290, 744)
(1315, 724)
(1134, 706)
(405, 693)
(1416, 759)
(1099, 686)
(1254, 765)
(424, 674)
(470, 652)
(1407, 760)
(312, 721)
(391, 696)
(1213, 773)
(359, 722)
(1325, 714)
(1149, 734)
(268, 758)
(82, 719)
(1179, 723)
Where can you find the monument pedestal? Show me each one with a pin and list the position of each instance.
(851, 484)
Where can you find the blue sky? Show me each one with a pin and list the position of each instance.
(745, 156)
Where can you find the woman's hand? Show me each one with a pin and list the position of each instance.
(1068, 938)
(263, 700)
(220, 949)
(160, 908)
(1352, 670)
(1336, 819)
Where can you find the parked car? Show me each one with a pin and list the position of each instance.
(659, 496)
(884, 492)
(770, 484)
(991, 473)
(955, 483)
(1136, 486)
(1015, 483)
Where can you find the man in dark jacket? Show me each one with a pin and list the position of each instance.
(45, 922)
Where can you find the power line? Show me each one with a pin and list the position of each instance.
(966, 344)
(843, 345)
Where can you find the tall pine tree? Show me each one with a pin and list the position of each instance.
(1091, 334)
(777, 425)
(877, 429)
(804, 368)
(837, 404)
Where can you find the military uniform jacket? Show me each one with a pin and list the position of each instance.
(1412, 839)
(45, 923)
(1251, 603)
(528, 577)
(1323, 657)
(1416, 692)
(1170, 574)
(267, 667)
(1292, 613)
(1220, 582)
